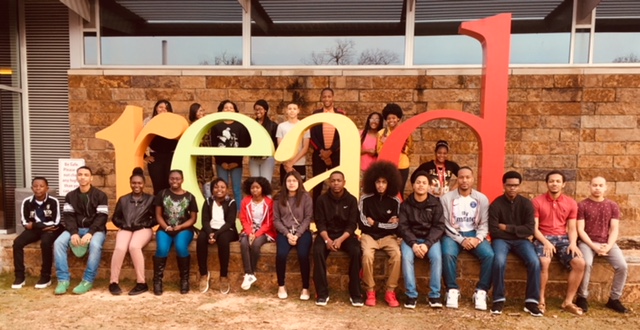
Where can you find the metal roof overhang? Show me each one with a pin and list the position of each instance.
(340, 17)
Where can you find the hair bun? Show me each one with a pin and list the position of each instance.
(137, 171)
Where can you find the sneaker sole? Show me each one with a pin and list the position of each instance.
(533, 314)
(43, 286)
(497, 312)
(435, 305)
(410, 306)
(322, 303)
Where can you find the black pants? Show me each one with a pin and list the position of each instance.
(318, 166)
(224, 241)
(303, 246)
(404, 175)
(159, 171)
(27, 237)
(320, 253)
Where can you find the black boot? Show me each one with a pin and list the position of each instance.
(158, 274)
(184, 265)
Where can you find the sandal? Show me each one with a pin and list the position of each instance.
(573, 309)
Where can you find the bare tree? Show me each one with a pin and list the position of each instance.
(631, 58)
(225, 59)
(341, 54)
(378, 57)
(344, 53)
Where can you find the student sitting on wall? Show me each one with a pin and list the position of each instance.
(256, 216)
(134, 216)
(41, 221)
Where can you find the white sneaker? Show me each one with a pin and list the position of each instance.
(480, 298)
(452, 298)
(282, 292)
(304, 295)
(248, 280)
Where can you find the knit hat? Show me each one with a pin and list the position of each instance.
(263, 104)
(442, 143)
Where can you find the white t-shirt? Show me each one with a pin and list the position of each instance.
(217, 216)
(258, 214)
(286, 127)
(464, 212)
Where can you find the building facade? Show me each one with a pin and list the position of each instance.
(69, 68)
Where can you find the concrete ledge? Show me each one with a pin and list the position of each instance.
(337, 266)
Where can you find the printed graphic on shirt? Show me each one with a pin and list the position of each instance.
(228, 139)
(464, 212)
(175, 211)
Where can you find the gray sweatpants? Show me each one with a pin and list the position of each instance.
(616, 260)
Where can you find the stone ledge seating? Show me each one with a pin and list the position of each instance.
(337, 264)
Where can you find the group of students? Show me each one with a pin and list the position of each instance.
(436, 221)
(433, 228)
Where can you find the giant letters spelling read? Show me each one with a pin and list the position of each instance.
(130, 138)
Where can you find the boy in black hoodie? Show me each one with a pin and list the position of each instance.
(421, 227)
(336, 216)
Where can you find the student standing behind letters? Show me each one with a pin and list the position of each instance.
(230, 134)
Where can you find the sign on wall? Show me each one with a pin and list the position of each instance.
(67, 168)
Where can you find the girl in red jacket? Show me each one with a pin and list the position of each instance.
(256, 216)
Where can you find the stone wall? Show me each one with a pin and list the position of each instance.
(337, 270)
(584, 122)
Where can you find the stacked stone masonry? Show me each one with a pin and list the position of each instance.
(584, 124)
(337, 268)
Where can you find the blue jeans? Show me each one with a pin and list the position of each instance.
(450, 251)
(181, 240)
(525, 250)
(61, 250)
(235, 177)
(408, 269)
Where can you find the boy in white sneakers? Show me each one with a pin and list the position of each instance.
(466, 218)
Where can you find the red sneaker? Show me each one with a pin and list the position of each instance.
(371, 298)
(390, 298)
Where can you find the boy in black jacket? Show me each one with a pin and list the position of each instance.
(336, 216)
(421, 227)
(85, 215)
(41, 220)
(512, 224)
(379, 207)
